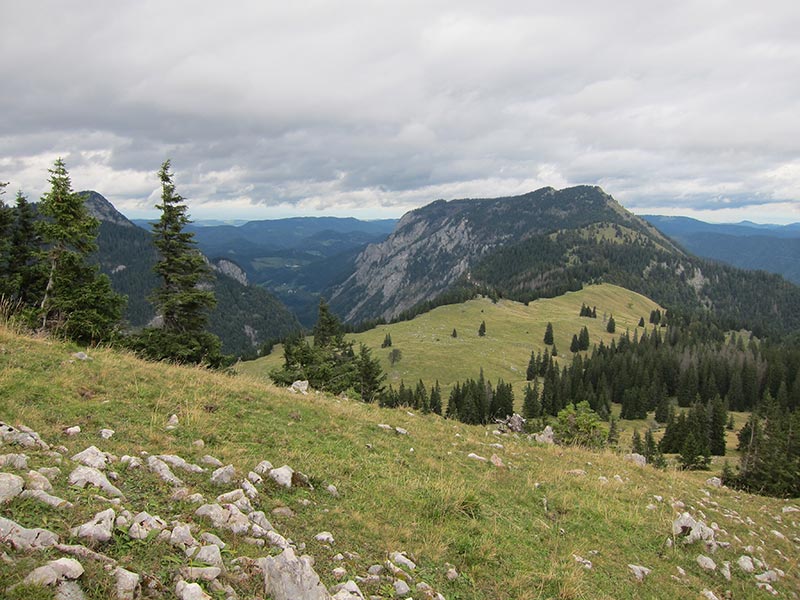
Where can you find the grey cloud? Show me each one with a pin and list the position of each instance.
(339, 105)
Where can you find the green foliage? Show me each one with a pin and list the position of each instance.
(611, 326)
(612, 438)
(370, 376)
(548, 334)
(636, 443)
(531, 406)
(436, 399)
(395, 354)
(77, 302)
(181, 302)
(454, 334)
(387, 341)
(693, 455)
(482, 329)
(579, 425)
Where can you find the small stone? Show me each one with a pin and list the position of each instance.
(172, 423)
(10, 486)
(208, 554)
(223, 475)
(714, 482)
(203, 573)
(497, 461)
(190, 591)
(385, 426)
(451, 574)
(126, 583)
(474, 456)
(74, 430)
(375, 570)
(132, 462)
(706, 563)
(283, 511)
(401, 559)
(143, 523)
(339, 573)
(263, 468)
(54, 571)
(198, 444)
(325, 537)
(709, 595)
(210, 538)
(14, 461)
(249, 489)
(331, 489)
(282, 476)
(639, 572)
(45, 498)
(181, 536)
(92, 457)
(725, 570)
(746, 564)
(21, 538)
(635, 458)
(767, 577)
(106, 434)
(211, 461)
(160, 468)
(576, 472)
(587, 564)
(401, 587)
(401, 431)
(99, 529)
(254, 478)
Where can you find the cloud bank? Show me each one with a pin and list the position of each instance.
(372, 108)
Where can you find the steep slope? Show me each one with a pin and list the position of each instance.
(775, 249)
(435, 246)
(551, 522)
(245, 316)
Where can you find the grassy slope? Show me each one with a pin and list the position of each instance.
(512, 331)
(511, 532)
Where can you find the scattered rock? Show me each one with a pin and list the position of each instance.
(746, 564)
(706, 563)
(10, 486)
(790, 509)
(132, 462)
(451, 574)
(283, 511)
(160, 468)
(249, 489)
(339, 573)
(299, 387)
(546, 436)
(190, 591)
(54, 572)
(74, 430)
(767, 577)
(21, 436)
(639, 572)
(401, 431)
(282, 476)
(83, 476)
(99, 529)
(172, 423)
(45, 498)
(37, 481)
(400, 558)
(81, 356)
(126, 583)
(143, 523)
(181, 536)
(576, 472)
(709, 595)
(263, 468)
(211, 461)
(725, 570)
(474, 456)
(210, 538)
(206, 554)
(326, 537)
(226, 517)
(636, 459)
(331, 489)
(385, 426)
(223, 475)
(401, 587)
(497, 461)
(587, 564)
(14, 461)
(287, 577)
(348, 591)
(21, 538)
(203, 573)
(93, 457)
(106, 434)
(199, 444)
(179, 463)
(301, 480)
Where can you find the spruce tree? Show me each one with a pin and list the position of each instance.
(531, 407)
(583, 339)
(387, 341)
(27, 278)
(327, 330)
(6, 219)
(180, 301)
(717, 417)
(611, 326)
(548, 334)
(641, 322)
(531, 371)
(612, 439)
(78, 301)
(454, 334)
(482, 329)
(370, 375)
(436, 399)
(574, 345)
(636, 443)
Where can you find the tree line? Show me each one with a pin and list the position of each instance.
(49, 283)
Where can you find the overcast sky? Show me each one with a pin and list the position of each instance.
(271, 109)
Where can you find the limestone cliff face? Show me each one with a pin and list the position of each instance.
(434, 246)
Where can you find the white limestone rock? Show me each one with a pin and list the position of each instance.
(99, 529)
(107, 434)
(54, 572)
(225, 517)
(224, 475)
(249, 489)
(636, 459)
(126, 583)
(263, 468)
(160, 468)
(348, 591)
(21, 436)
(287, 577)
(326, 537)
(93, 457)
(45, 498)
(143, 523)
(190, 591)
(71, 431)
(255, 478)
(10, 486)
(474, 456)
(172, 423)
(82, 476)
(37, 481)
(211, 461)
(21, 538)
(202, 573)
(639, 572)
(401, 588)
(282, 476)
(400, 558)
(745, 563)
(706, 563)
(181, 536)
(14, 461)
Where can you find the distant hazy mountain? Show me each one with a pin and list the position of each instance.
(245, 316)
(773, 248)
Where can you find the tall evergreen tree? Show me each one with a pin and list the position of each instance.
(583, 339)
(482, 329)
(27, 279)
(531, 371)
(181, 302)
(6, 219)
(611, 326)
(575, 344)
(370, 375)
(531, 406)
(436, 399)
(78, 301)
(548, 334)
(717, 417)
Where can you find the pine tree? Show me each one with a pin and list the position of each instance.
(611, 326)
(531, 407)
(180, 300)
(574, 345)
(436, 399)
(482, 329)
(636, 443)
(548, 334)
(27, 278)
(387, 341)
(421, 401)
(612, 439)
(530, 373)
(717, 417)
(327, 330)
(78, 301)
(370, 375)
(583, 339)
(692, 455)
(454, 334)
(662, 409)
(641, 322)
